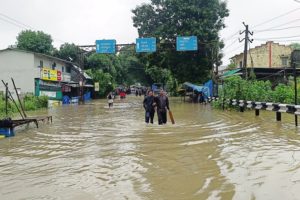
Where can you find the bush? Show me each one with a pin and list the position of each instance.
(252, 90)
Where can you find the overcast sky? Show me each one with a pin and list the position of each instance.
(83, 21)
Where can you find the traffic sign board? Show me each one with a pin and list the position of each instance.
(189, 43)
(145, 45)
(105, 46)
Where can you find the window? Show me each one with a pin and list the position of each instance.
(284, 61)
(41, 64)
(54, 66)
(68, 69)
(241, 64)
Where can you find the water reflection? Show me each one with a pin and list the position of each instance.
(92, 152)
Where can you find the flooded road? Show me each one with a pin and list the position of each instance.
(92, 152)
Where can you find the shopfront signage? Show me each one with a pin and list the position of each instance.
(97, 87)
(50, 75)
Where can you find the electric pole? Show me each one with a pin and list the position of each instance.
(246, 39)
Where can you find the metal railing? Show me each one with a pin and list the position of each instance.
(278, 108)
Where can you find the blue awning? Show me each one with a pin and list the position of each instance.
(198, 88)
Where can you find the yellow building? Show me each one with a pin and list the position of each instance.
(269, 55)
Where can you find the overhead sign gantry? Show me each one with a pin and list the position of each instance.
(144, 45)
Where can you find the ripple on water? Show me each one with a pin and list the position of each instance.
(92, 152)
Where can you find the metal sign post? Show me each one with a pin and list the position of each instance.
(295, 62)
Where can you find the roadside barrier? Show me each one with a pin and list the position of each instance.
(268, 106)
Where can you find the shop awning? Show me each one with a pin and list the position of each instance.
(231, 73)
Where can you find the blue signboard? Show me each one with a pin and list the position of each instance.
(187, 43)
(145, 45)
(105, 46)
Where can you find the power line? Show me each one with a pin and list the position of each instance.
(231, 44)
(234, 49)
(12, 23)
(16, 21)
(279, 29)
(277, 26)
(284, 37)
(21, 25)
(277, 17)
(231, 36)
(295, 40)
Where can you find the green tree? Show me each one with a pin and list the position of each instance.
(167, 19)
(36, 41)
(231, 65)
(104, 62)
(105, 81)
(295, 46)
(68, 52)
(132, 68)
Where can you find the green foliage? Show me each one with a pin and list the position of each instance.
(105, 81)
(36, 41)
(252, 90)
(231, 65)
(133, 70)
(68, 52)
(34, 103)
(104, 62)
(30, 103)
(295, 46)
(283, 94)
(158, 75)
(167, 19)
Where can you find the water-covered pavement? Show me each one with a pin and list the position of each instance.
(92, 152)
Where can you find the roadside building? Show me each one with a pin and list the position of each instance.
(42, 74)
(268, 55)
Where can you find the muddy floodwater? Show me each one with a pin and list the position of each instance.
(92, 152)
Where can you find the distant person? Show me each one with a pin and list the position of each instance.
(140, 92)
(148, 104)
(136, 92)
(110, 99)
(122, 95)
(162, 104)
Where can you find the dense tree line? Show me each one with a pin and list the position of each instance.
(165, 20)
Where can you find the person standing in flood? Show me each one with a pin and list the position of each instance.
(148, 104)
(110, 100)
(162, 103)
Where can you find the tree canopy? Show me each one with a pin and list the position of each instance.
(295, 46)
(36, 41)
(68, 52)
(167, 19)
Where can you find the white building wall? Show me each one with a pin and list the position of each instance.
(20, 66)
(48, 62)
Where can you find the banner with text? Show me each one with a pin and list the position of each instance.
(50, 75)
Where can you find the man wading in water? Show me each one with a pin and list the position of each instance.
(149, 107)
(162, 103)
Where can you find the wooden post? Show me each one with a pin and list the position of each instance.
(256, 112)
(278, 116)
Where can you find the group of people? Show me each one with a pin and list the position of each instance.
(152, 104)
(159, 103)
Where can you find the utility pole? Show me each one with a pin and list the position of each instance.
(246, 39)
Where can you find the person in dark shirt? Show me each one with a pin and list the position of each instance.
(162, 103)
(148, 104)
(110, 100)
